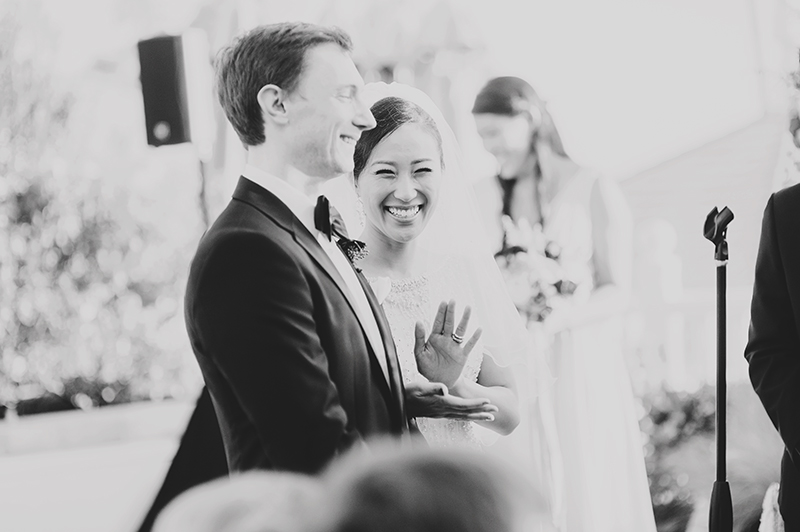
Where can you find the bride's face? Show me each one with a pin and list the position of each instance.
(400, 182)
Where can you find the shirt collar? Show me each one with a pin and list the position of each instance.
(301, 205)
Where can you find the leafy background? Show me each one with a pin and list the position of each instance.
(96, 230)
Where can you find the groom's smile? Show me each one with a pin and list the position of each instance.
(349, 140)
(327, 113)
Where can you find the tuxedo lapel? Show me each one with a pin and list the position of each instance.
(395, 375)
(268, 204)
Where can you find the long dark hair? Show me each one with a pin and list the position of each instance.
(390, 113)
(512, 96)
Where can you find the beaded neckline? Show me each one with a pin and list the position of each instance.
(404, 284)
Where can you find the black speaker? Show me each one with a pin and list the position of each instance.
(166, 106)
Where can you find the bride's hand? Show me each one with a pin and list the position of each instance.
(431, 399)
(442, 357)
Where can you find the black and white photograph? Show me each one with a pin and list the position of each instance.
(400, 265)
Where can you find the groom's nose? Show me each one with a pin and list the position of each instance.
(363, 118)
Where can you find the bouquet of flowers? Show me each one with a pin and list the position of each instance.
(531, 264)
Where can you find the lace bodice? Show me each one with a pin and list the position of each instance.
(407, 302)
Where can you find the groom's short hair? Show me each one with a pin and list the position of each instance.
(270, 54)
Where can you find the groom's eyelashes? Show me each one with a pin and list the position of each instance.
(347, 93)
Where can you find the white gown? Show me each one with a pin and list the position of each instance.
(405, 302)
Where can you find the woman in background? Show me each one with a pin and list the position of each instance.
(584, 223)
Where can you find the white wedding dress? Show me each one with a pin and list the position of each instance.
(407, 301)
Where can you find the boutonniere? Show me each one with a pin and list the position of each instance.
(354, 250)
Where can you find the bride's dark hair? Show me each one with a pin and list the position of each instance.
(390, 113)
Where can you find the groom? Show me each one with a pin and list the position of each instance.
(294, 349)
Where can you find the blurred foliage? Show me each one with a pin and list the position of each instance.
(673, 418)
(91, 270)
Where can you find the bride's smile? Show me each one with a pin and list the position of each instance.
(404, 213)
(399, 186)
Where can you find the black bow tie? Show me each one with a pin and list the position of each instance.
(328, 220)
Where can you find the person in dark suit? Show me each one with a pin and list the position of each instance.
(295, 351)
(296, 365)
(773, 347)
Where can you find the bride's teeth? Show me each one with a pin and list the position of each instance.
(404, 212)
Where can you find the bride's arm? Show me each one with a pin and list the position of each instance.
(497, 384)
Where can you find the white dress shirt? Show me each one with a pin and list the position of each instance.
(303, 208)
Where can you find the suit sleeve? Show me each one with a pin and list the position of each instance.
(773, 348)
(255, 315)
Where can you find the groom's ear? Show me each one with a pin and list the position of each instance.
(270, 99)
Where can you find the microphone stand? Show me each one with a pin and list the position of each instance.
(721, 510)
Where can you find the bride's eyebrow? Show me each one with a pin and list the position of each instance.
(392, 163)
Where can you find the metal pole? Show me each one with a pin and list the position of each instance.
(721, 371)
(720, 517)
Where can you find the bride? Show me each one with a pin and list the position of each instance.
(413, 205)
(425, 245)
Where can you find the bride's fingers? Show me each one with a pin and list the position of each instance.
(419, 337)
(461, 330)
(473, 340)
(461, 406)
(482, 409)
(449, 318)
(470, 416)
(481, 417)
(438, 319)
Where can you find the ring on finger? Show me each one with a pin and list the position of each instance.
(457, 338)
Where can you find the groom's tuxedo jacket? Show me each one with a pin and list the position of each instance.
(773, 349)
(292, 375)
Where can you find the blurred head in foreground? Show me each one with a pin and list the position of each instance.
(429, 490)
(249, 502)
